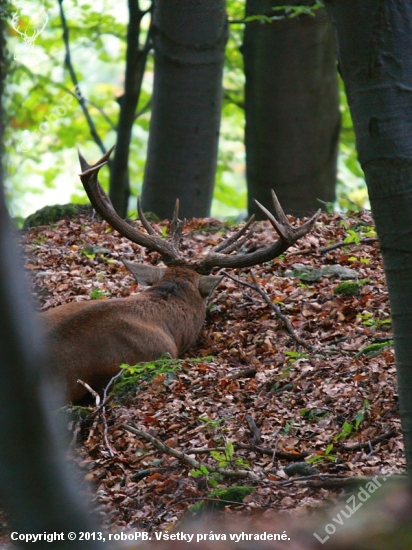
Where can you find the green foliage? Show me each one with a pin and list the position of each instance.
(323, 456)
(373, 350)
(96, 294)
(286, 12)
(352, 237)
(351, 188)
(295, 355)
(224, 459)
(347, 288)
(351, 428)
(374, 321)
(143, 372)
(46, 122)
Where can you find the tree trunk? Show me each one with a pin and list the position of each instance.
(119, 189)
(189, 40)
(375, 44)
(292, 109)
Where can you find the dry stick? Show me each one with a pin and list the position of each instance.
(244, 373)
(365, 240)
(186, 458)
(251, 424)
(218, 500)
(274, 307)
(293, 457)
(332, 480)
(359, 446)
(103, 408)
(91, 390)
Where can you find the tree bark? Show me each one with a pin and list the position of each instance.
(291, 108)
(119, 188)
(374, 42)
(189, 41)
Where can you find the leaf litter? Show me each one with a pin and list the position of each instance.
(330, 410)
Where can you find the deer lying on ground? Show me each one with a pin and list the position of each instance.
(90, 340)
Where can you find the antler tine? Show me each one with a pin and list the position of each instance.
(224, 245)
(103, 205)
(307, 226)
(280, 214)
(143, 219)
(238, 244)
(176, 226)
(280, 229)
(282, 225)
(219, 257)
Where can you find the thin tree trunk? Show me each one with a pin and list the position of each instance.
(189, 40)
(375, 45)
(119, 189)
(291, 108)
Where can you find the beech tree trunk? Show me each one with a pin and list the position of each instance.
(375, 44)
(291, 108)
(189, 41)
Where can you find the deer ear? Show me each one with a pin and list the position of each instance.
(207, 284)
(145, 275)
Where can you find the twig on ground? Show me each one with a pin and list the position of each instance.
(217, 500)
(354, 446)
(365, 240)
(332, 480)
(244, 373)
(90, 390)
(103, 409)
(251, 424)
(226, 472)
(255, 286)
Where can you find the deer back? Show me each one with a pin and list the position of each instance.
(90, 340)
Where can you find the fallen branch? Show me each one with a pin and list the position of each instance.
(225, 472)
(357, 446)
(333, 480)
(292, 457)
(273, 306)
(244, 373)
(365, 240)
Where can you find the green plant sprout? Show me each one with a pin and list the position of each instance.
(96, 294)
(316, 459)
(351, 428)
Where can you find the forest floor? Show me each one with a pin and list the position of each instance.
(281, 421)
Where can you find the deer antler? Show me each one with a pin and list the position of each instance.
(220, 256)
(103, 206)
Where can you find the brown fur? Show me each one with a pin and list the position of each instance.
(90, 340)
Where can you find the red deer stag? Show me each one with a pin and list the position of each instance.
(89, 340)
